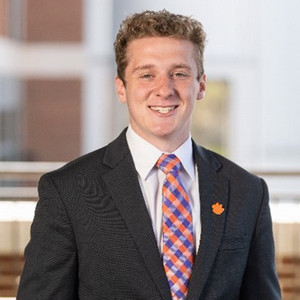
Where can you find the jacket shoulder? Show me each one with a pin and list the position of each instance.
(84, 163)
(100, 160)
(225, 166)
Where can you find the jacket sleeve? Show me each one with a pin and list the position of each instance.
(50, 270)
(260, 279)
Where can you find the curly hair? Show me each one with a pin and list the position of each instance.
(158, 24)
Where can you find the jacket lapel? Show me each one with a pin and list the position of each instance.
(123, 185)
(122, 182)
(213, 189)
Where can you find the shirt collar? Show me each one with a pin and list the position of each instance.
(145, 155)
(185, 154)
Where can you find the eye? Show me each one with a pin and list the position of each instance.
(146, 76)
(180, 75)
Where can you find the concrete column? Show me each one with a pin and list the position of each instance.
(98, 75)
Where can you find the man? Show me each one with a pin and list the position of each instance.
(152, 215)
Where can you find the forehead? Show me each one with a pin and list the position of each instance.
(162, 49)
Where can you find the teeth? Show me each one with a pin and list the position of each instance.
(162, 110)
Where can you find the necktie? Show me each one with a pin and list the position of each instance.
(178, 240)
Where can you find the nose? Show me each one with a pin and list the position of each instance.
(165, 88)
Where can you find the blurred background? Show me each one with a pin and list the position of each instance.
(57, 101)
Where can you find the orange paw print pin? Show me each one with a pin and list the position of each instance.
(217, 208)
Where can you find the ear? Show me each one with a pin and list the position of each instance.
(121, 90)
(202, 87)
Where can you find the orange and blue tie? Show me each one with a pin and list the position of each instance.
(178, 239)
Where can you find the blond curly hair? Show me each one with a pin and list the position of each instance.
(158, 24)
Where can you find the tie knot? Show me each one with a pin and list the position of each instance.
(168, 163)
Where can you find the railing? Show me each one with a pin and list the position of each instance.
(18, 186)
(18, 180)
(18, 195)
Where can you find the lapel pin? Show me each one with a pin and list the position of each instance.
(217, 208)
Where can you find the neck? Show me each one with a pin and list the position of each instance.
(166, 144)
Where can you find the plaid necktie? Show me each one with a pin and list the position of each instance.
(178, 239)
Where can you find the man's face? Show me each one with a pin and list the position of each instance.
(161, 89)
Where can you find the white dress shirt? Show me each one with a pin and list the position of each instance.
(151, 179)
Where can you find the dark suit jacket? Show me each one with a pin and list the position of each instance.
(92, 236)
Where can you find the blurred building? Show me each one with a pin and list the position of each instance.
(57, 98)
(40, 79)
(57, 72)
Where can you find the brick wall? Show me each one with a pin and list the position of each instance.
(3, 17)
(54, 21)
(52, 121)
(287, 245)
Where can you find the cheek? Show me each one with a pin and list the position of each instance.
(191, 99)
(190, 96)
(139, 95)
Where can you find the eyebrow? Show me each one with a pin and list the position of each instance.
(143, 67)
(150, 66)
(182, 66)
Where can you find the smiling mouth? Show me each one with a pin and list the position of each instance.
(163, 110)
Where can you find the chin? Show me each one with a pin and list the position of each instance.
(170, 137)
(163, 132)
